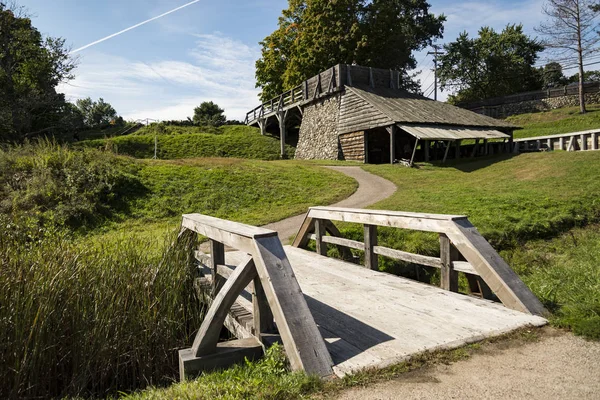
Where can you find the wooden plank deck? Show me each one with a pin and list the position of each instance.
(371, 319)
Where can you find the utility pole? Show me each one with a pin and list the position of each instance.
(436, 52)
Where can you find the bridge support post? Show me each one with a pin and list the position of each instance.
(281, 117)
(262, 124)
(448, 254)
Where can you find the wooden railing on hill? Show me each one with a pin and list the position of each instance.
(570, 90)
(462, 249)
(277, 298)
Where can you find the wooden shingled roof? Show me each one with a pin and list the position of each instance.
(365, 107)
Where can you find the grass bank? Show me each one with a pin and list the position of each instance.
(562, 120)
(177, 142)
(88, 314)
(526, 206)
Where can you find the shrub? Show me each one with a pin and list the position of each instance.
(50, 183)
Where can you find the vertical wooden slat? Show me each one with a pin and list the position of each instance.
(561, 143)
(594, 141)
(583, 142)
(371, 260)
(319, 233)
(448, 253)
(426, 150)
(262, 315)
(217, 257)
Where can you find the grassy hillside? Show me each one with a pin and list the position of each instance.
(516, 203)
(177, 142)
(103, 313)
(562, 120)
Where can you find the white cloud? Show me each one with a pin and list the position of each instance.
(219, 69)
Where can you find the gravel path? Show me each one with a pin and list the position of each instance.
(558, 366)
(371, 189)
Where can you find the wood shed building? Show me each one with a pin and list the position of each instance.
(350, 112)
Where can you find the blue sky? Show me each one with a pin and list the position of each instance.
(207, 50)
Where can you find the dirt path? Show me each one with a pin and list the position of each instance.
(558, 366)
(371, 189)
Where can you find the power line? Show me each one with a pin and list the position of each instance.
(435, 53)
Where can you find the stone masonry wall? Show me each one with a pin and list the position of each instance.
(506, 110)
(318, 138)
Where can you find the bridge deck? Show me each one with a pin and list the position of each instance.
(371, 319)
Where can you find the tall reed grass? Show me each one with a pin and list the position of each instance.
(81, 319)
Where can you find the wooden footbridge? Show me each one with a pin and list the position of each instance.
(336, 317)
(574, 141)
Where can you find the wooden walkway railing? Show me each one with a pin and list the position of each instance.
(277, 298)
(462, 249)
(574, 141)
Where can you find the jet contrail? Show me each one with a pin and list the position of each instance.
(133, 27)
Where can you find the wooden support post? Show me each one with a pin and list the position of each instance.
(412, 159)
(392, 131)
(485, 147)
(371, 260)
(583, 142)
(217, 257)
(457, 155)
(475, 148)
(561, 143)
(319, 233)
(446, 152)
(281, 117)
(448, 253)
(549, 144)
(426, 150)
(594, 141)
(538, 145)
(366, 139)
(262, 315)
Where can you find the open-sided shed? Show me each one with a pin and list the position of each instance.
(359, 113)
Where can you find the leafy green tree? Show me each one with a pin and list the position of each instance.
(493, 64)
(314, 35)
(552, 75)
(96, 114)
(209, 114)
(30, 69)
(588, 76)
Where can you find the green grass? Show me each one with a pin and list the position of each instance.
(93, 298)
(176, 142)
(562, 120)
(525, 206)
(564, 273)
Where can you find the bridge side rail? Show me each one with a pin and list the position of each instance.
(277, 298)
(462, 249)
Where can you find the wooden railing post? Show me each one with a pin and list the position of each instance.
(217, 257)
(263, 317)
(371, 260)
(448, 253)
(319, 233)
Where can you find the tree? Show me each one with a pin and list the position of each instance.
(571, 33)
(552, 75)
(209, 114)
(493, 64)
(314, 35)
(96, 114)
(30, 69)
(588, 76)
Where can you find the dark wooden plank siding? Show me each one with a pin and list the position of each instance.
(353, 146)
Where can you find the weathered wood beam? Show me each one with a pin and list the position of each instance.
(412, 158)
(217, 251)
(319, 234)
(208, 336)
(448, 254)
(263, 317)
(371, 259)
(446, 152)
(304, 345)
(392, 132)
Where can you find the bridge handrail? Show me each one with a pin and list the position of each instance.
(279, 300)
(462, 249)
